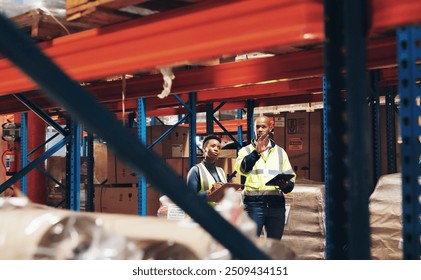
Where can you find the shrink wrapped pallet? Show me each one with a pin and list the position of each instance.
(385, 206)
(304, 229)
(31, 231)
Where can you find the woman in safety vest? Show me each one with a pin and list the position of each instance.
(205, 177)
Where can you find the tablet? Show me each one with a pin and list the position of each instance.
(282, 176)
(217, 195)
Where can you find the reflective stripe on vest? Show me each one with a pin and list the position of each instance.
(264, 170)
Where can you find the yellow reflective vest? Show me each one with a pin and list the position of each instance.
(267, 166)
(206, 178)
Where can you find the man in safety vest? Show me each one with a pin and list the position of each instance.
(259, 162)
(205, 177)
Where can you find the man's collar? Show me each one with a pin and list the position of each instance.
(271, 142)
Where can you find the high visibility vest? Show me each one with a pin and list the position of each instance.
(267, 166)
(206, 178)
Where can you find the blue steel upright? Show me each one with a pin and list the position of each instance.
(209, 118)
(23, 149)
(192, 129)
(335, 129)
(90, 191)
(375, 128)
(250, 120)
(390, 130)
(73, 167)
(240, 129)
(409, 53)
(141, 134)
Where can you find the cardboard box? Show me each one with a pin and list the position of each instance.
(175, 144)
(176, 164)
(124, 200)
(301, 136)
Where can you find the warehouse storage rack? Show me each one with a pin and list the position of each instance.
(345, 150)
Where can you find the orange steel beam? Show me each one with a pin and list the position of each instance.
(381, 53)
(229, 125)
(193, 33)
(388, 14)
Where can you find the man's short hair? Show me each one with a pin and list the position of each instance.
(210, 137)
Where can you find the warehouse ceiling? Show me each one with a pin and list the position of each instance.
(285, 73)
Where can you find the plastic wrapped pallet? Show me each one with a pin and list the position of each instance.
(385, 206)
(305, 224)
(30, 231)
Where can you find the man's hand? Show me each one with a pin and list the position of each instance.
(282, 183)
(262, 143)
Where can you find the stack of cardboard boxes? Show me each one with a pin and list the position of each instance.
(119, 193)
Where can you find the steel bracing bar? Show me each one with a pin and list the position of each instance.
(226, 132)
(375, 129)
(409, 53)
(334, 133)
(48, 175)
(33, 164)
(22, 98)
(210, 119)
(181, 101)
(79, 103)
(23, 149)
(391, 130)
(43, 144)
(163, 135)
(141, 135)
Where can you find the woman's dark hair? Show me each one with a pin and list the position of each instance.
(210, 137)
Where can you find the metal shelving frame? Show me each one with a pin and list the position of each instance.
(409, 54)
(345, 119)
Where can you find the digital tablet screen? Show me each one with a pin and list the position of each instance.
(274, 180)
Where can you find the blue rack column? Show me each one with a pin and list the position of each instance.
(375, 128)
(240, 129)
(391, 129)
(90, 191)
(73, 167)
(409, 52)
(141, 134)
(355, 19)
(23, 149)
(334, 133)
(250, 120)
(209, 118)
(192, 129)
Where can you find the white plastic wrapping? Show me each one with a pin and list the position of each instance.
(385, 206)
(168, 76)
(30, 231)
(12, 8)
(305, 231)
